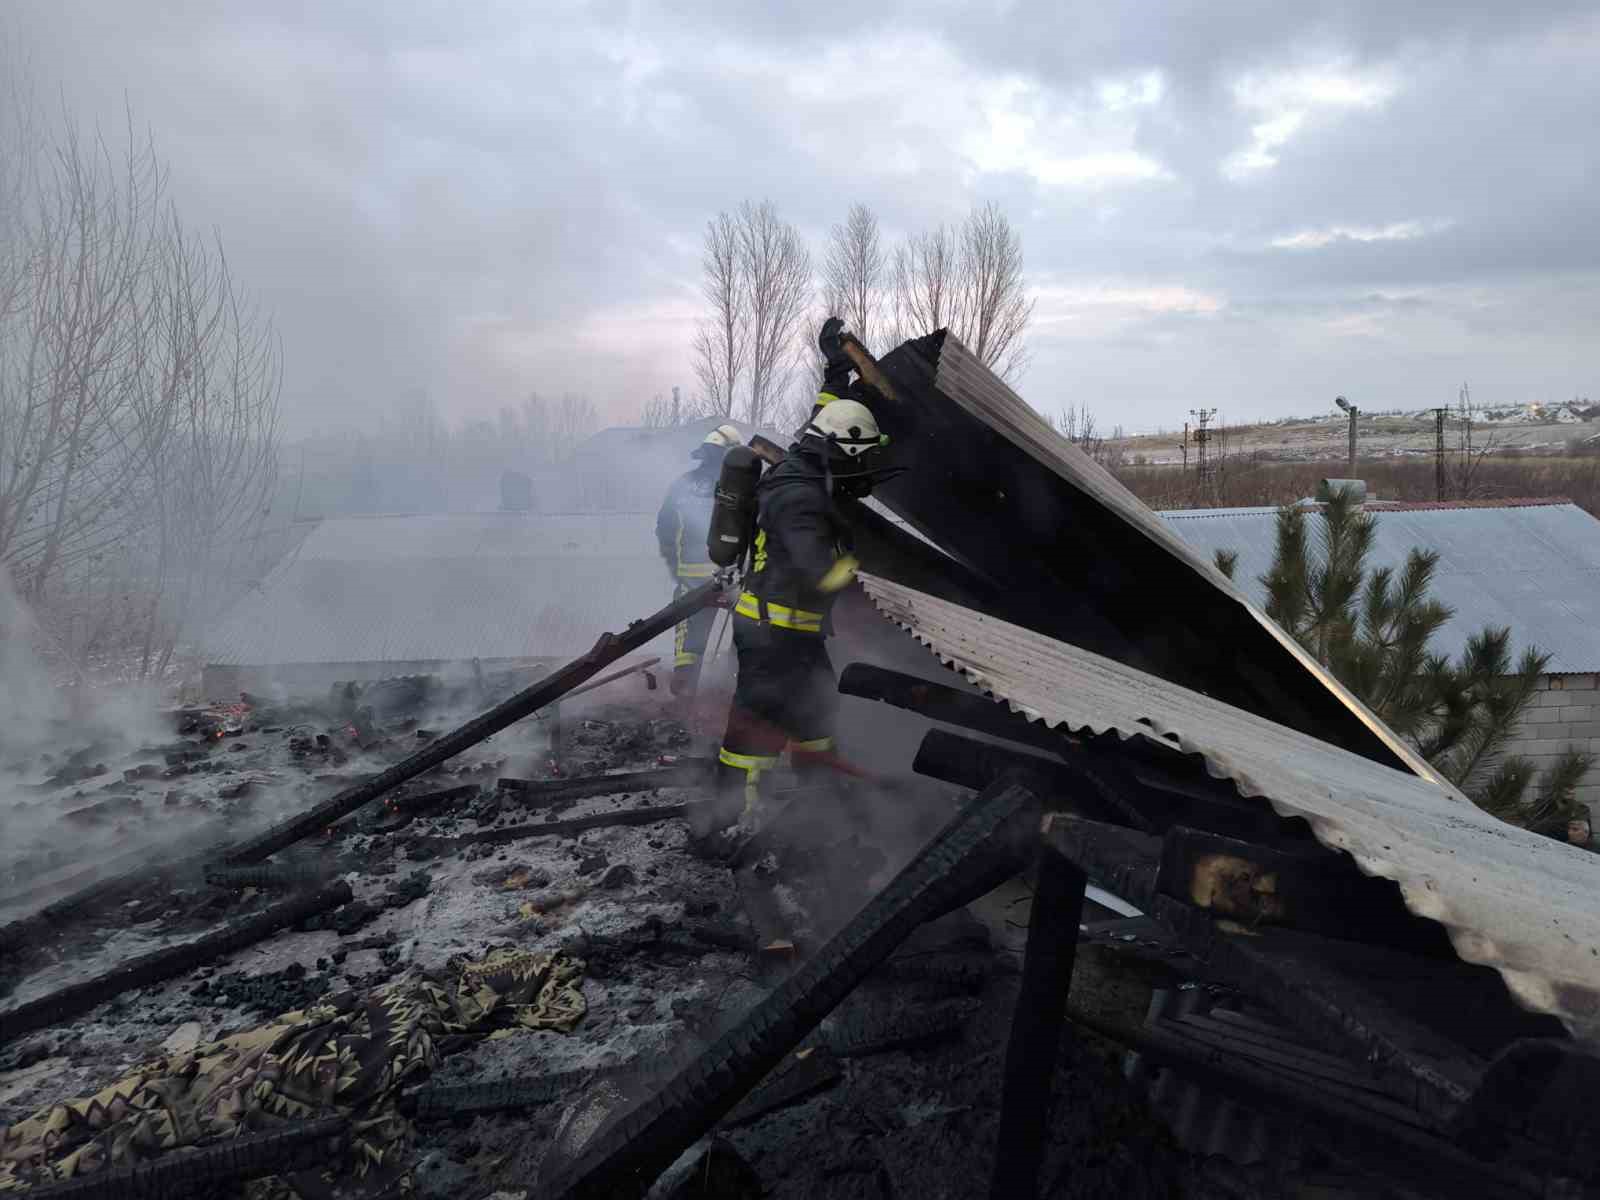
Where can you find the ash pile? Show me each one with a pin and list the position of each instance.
(133, 988)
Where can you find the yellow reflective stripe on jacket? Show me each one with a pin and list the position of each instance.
(684, 658)
(780, 615)
(825, 398)
(760, 561)
(814, 746)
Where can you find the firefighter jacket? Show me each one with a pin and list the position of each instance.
(684, 521)
(800, 539)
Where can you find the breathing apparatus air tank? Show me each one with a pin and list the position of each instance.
(733, 509)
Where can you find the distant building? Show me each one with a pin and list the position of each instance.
(1532, 565)
(629, 468)
(372, 597)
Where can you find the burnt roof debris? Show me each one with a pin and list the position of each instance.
(1070, 553)
(1521, 903)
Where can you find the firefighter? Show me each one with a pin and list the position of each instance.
(786, 695)
(681, 536)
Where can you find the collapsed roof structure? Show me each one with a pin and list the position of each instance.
(1170, 743)
(1434, 975)
(1168, 648)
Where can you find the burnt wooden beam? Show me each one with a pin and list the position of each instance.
(974, 764)
(78, 998)
(1036, 1023)
(1301, 885)
(981, 847)
(1351, 1129)
(1536, 1105)
(1433, 1021)
(515, 833)
(536, 793)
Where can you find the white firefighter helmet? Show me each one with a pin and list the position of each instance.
(717, 443)
(847, 425)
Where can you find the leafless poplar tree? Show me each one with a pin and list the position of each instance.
(215, 386)
(776, 269)
(995, 307)
(660, 412)
(138, 396)
(970, 282)
(74, 441)
(927, 282)
(722, 343)
(855, 276)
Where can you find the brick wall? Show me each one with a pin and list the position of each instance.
(1565, 712)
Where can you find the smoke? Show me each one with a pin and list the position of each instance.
(50, 730)
(38, 713)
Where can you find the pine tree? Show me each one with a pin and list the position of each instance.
(1371, 629)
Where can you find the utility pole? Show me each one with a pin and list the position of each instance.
(1183, 446)
(675, 409)
(1354, 412)
(1438, 450)
(1202, 437)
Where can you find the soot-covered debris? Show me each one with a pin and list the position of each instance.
(673, 954)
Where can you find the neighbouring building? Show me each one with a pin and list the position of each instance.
(1532, 565)
(372, 597)
(568, 556)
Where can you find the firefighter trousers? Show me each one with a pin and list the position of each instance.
(689, 642)
(786, 698)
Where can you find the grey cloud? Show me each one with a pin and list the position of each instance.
(456, 197)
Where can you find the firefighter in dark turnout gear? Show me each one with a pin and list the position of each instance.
(786, 696)
(681, 536)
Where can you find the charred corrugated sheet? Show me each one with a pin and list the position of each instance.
(1523, 904)
(1077, 556)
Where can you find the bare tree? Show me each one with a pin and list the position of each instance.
(722, 344)
(656, 413)
(995, 308)
(138, 395)
(970, 282)
(855, 276)
(776, 269)
(575, 420)
(211, 488)
(928, 292)
(74, 353)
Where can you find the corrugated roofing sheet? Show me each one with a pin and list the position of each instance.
(998, 488)
(1535, 568)
(1523, 904)
(425, 588)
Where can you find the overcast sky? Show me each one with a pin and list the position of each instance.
(1220, 204)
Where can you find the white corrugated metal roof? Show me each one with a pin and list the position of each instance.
(1532, 567)
(1523, 904)
(426, 588)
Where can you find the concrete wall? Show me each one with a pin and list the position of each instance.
(1565, 713)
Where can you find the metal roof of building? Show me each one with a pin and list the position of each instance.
(1525, 905)
(448, 588)
(1532, 566)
